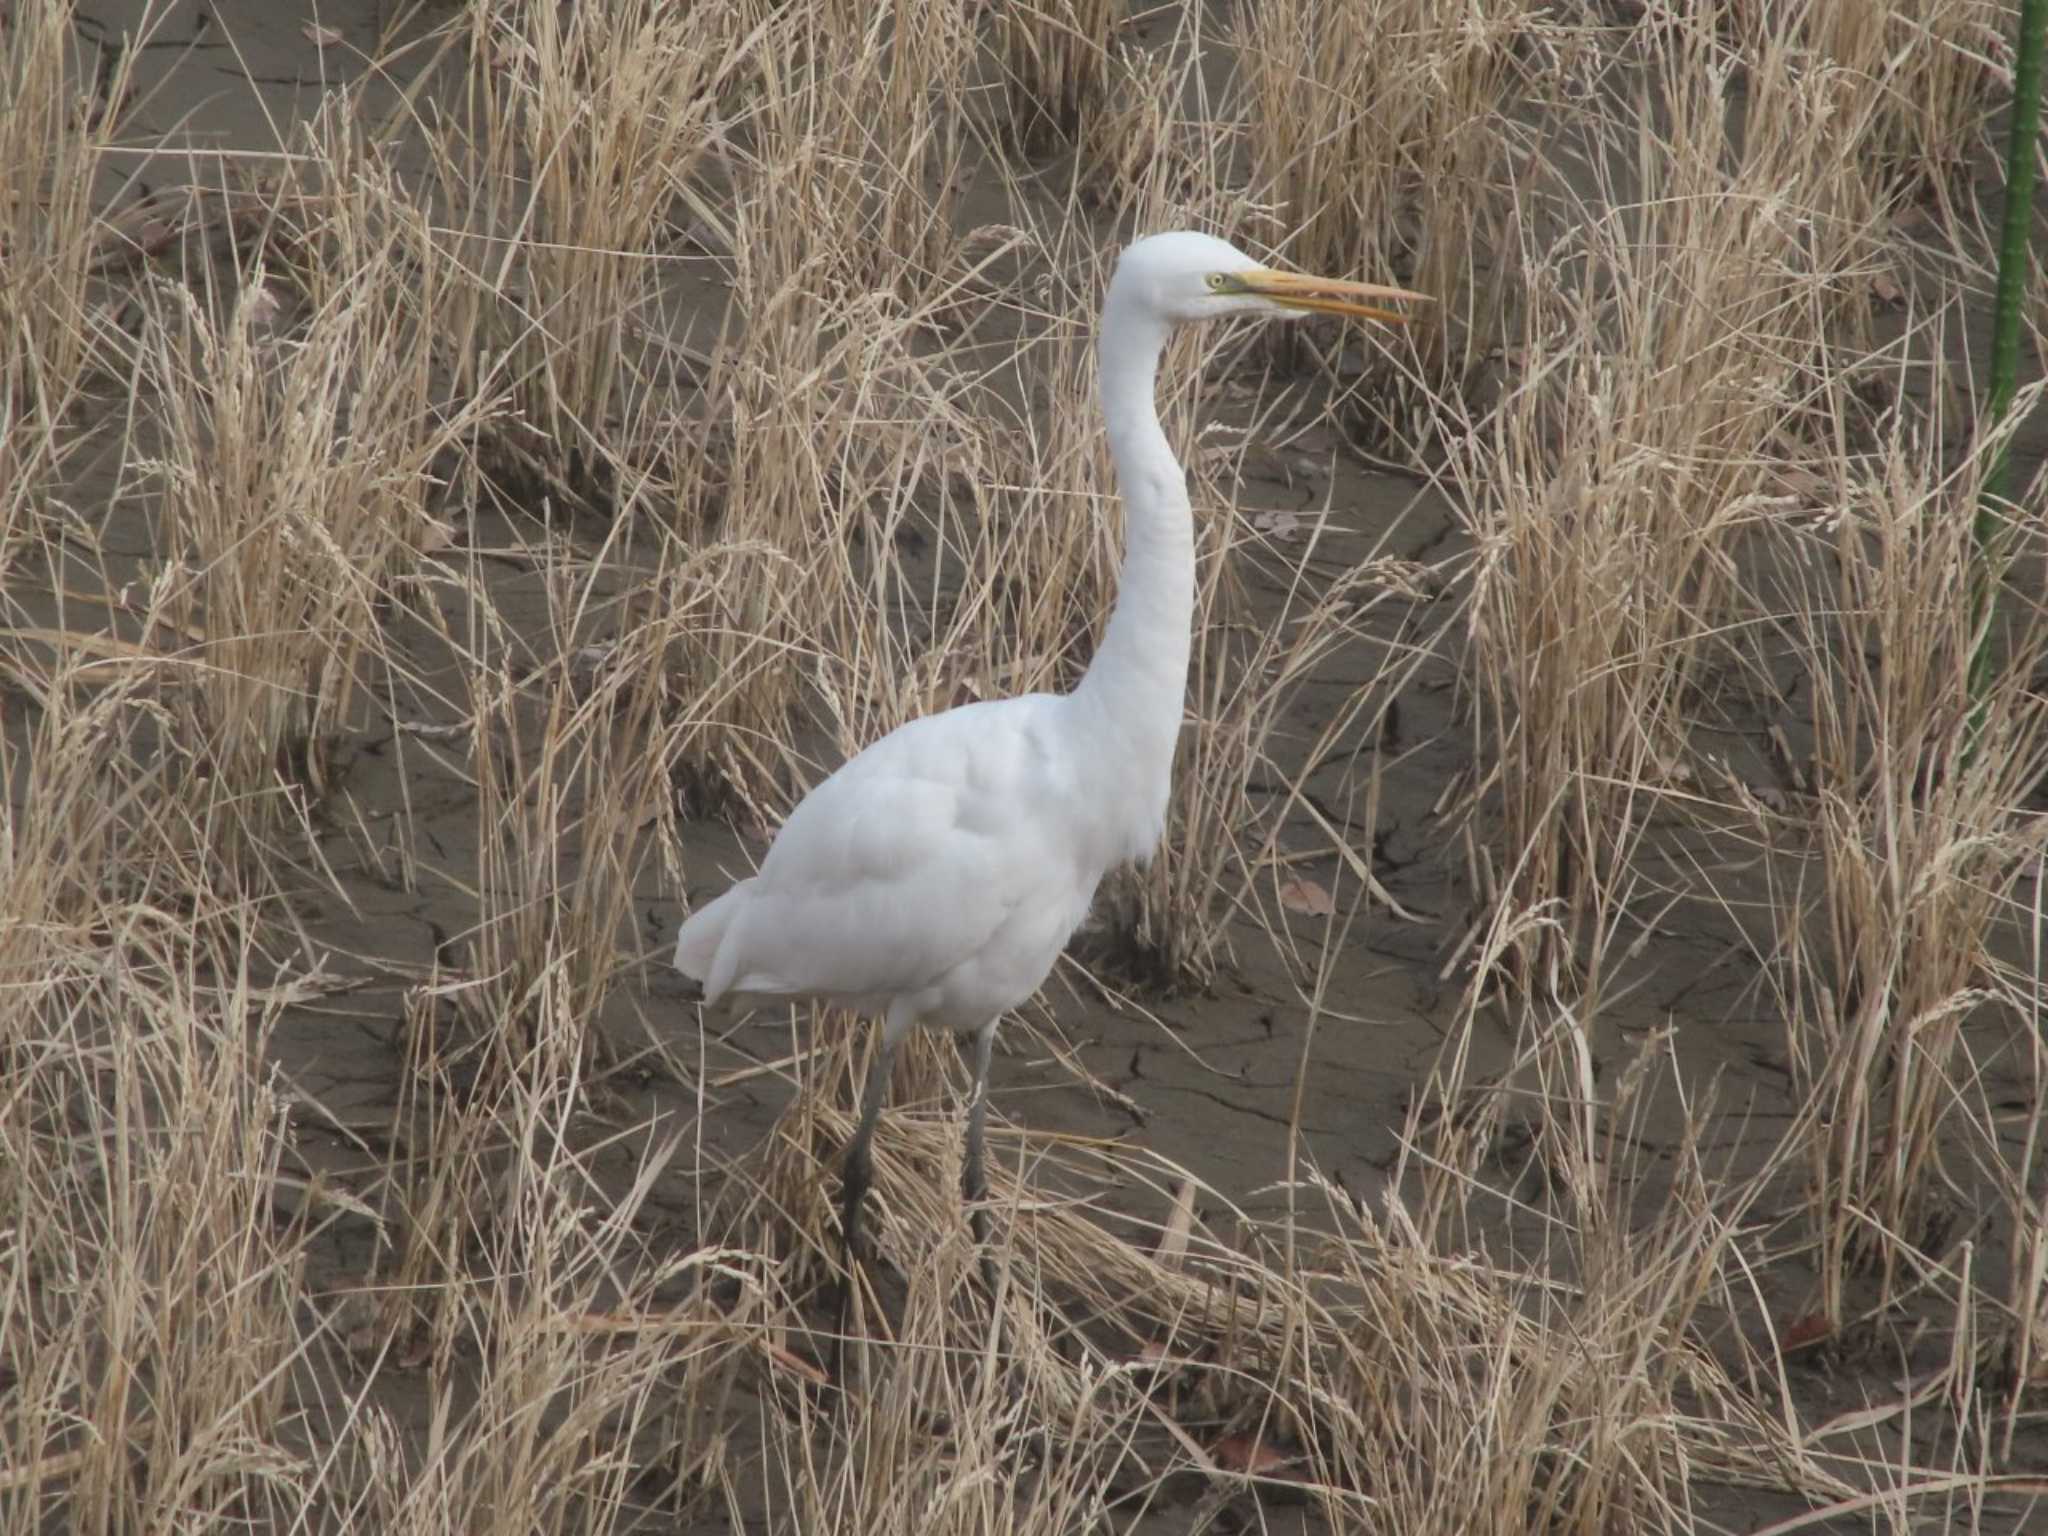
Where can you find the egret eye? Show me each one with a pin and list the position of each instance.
(1218, 282)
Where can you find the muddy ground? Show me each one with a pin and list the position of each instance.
(1208, 1080)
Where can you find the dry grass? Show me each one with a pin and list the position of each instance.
(1651, 417)
(52, 135)
(291, 456)
(1395, 137)
(1056, 59)
(562, 146)
(566, 750)
(1924, 72)
(153, 1258)
(417, 580)
(1895, 973)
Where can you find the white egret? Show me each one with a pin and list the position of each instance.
(936, 877)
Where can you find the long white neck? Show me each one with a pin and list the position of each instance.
(1135, 689)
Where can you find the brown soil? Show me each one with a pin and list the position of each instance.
(1211, 1081)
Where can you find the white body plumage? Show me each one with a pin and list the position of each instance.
(942, 870)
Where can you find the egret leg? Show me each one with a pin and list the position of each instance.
(857, 1171)
(974, 1183)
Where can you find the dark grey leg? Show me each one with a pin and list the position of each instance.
(858, 1170)
(974, 1183)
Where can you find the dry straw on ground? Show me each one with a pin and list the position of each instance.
(433, 549)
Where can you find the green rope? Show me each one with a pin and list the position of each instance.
(2005, 345)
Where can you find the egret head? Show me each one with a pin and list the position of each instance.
(1187, 276)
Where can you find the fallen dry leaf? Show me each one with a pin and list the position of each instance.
(1806, 1332)
(1173, 1238)
(1250, 1455)
(319, 36)
(434, 535)
(1306, 897)
(1277, 525)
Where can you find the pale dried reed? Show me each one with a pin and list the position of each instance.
(1670, 352)
(1893, 982)
(54, 131)
(1056, 60)
(1384, 139)
(566, 155)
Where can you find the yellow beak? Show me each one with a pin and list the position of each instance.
(1327, 295)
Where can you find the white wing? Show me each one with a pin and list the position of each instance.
(952, 858)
